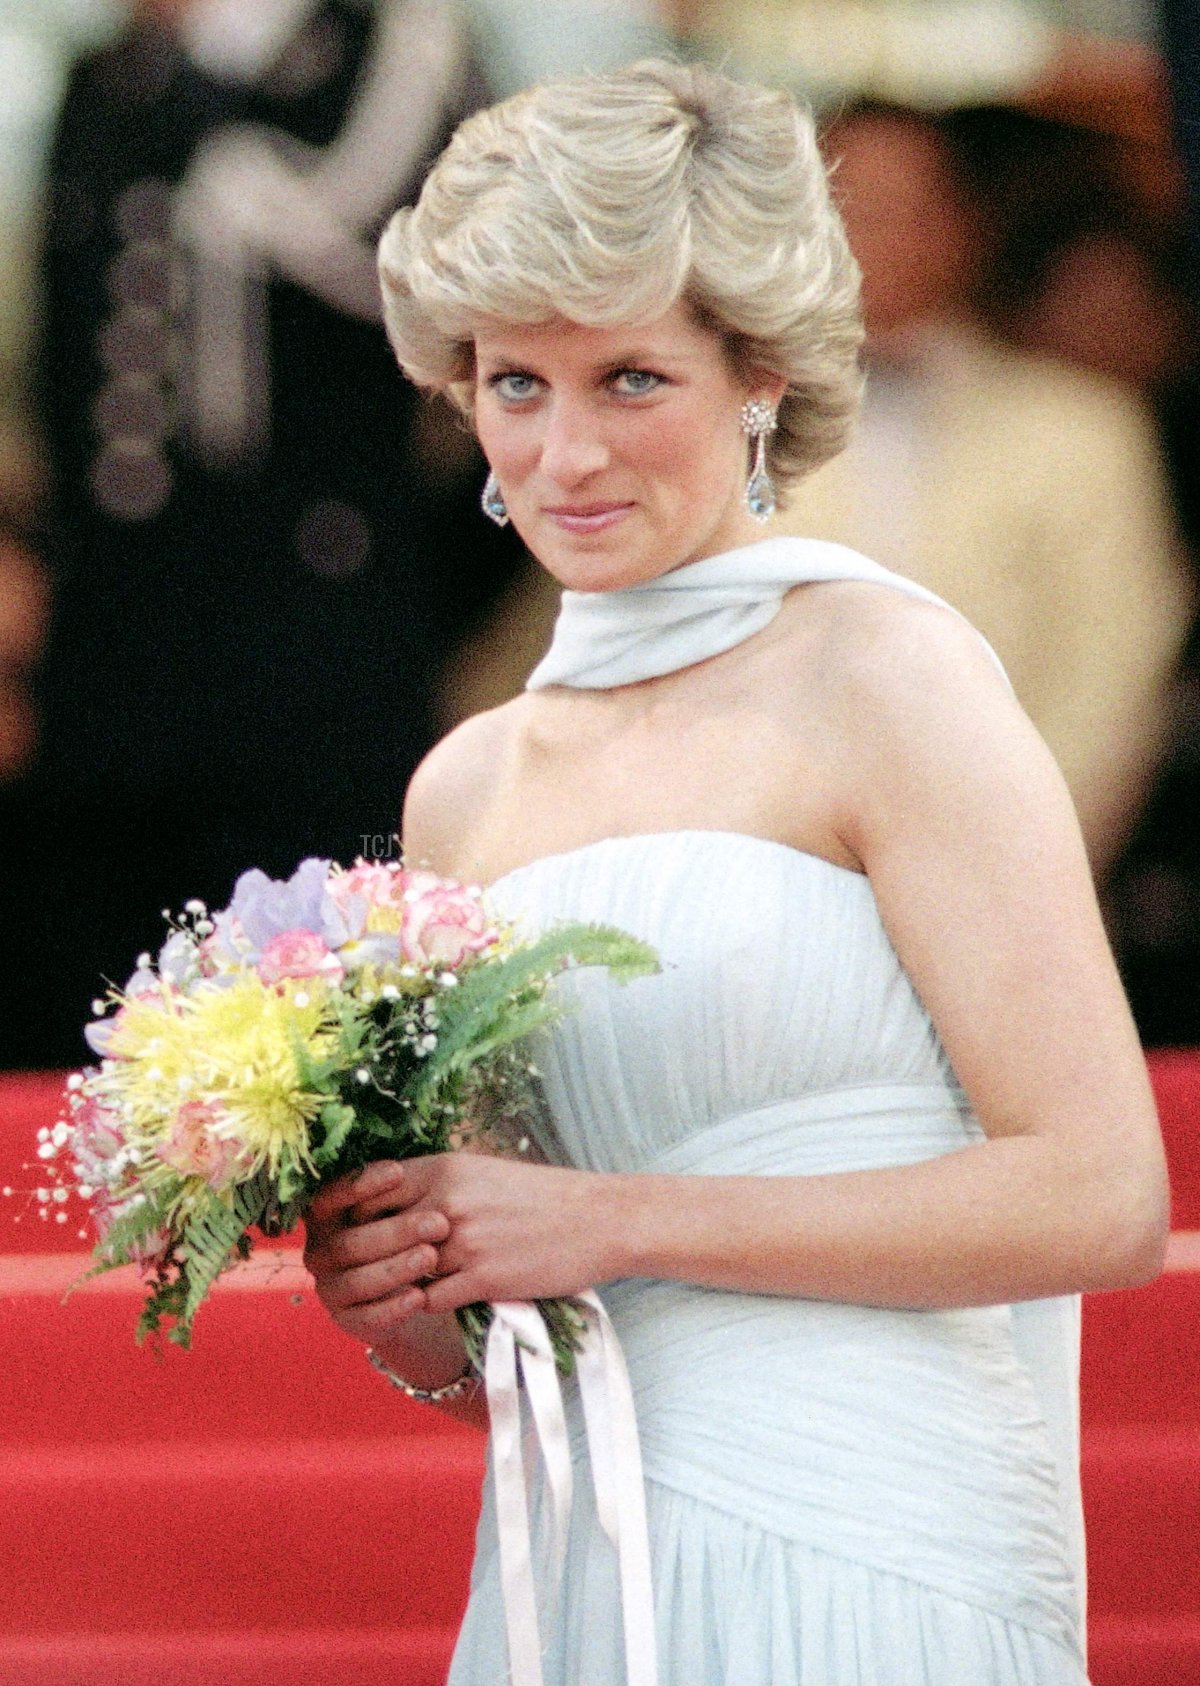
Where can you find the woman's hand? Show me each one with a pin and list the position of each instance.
(482, 1228)
(367, 1254)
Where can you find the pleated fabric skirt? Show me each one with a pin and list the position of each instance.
(736, 1605)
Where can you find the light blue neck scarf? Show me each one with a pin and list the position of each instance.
(607, 638)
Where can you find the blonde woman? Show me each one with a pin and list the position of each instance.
(842, 1170)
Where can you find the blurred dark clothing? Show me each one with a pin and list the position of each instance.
(243, 655)
(1155, 893)
(1181, 41)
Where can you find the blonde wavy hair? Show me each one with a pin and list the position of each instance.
(607, 199)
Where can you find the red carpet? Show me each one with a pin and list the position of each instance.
(265, 1508)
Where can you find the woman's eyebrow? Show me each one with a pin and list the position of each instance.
(500, 358)
(635, 357)
(640, 356)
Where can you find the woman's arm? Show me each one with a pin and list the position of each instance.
(980, 874)
(963, 824)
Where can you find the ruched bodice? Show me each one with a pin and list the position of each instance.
(778, 983)
(906, 1471)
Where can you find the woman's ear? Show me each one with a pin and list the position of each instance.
(770, 387)
(765, 384)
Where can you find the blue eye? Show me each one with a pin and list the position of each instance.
(634, 382)
(514, 386)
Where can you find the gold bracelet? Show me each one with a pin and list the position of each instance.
(426, 1395)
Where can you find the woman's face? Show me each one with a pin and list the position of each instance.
(619, 451)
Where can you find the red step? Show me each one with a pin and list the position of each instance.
(415, 1657)
(1175, 1074)
(1141, 1491)
(1141, 1354)
(266, 1361)
(328, 1534)
(1123, 1651)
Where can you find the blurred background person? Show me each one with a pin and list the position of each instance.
(1086, 268)
(1027, 491)
(260, 546)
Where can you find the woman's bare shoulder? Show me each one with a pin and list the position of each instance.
(896, 696)
(929, 733)
(870, 643)
(449, 794)
(854, 663)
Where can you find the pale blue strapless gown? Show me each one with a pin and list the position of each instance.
(838, 1495)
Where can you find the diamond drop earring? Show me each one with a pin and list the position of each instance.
(492, 502)
(758, 419)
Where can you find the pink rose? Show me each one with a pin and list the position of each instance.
(195, 1150)
(299, 954)
(96, 1141)
(443, 921)
(379, 884)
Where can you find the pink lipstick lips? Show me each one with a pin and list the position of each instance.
(587, 517)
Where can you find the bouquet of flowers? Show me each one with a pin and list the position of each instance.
(311, 1027)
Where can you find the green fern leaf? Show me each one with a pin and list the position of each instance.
(502, 1001)
(209, 1242)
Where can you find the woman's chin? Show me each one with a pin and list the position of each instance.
(603, 560)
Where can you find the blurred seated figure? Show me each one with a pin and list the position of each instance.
(262, 546)
(1029, 493)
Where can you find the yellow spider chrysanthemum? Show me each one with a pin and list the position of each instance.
(235, 1047)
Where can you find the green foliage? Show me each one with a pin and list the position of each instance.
(499, 1003)
(336, 1120)
(211, 1239)
(293, 1182)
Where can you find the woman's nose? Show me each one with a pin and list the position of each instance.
(573, 445)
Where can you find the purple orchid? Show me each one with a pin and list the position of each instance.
(266, 907)
(98, 1035)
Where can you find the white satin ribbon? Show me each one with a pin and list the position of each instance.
(616, 1455)
(518, 1333)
